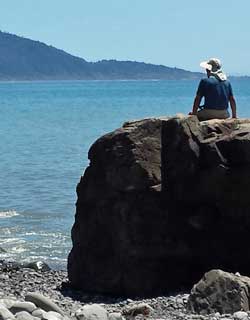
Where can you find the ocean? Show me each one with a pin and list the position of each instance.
(46, 131)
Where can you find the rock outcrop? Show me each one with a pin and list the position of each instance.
(206, 179)
(220, 291)
(120, 224)
(162, 201)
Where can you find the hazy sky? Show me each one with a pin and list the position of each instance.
(176, 33)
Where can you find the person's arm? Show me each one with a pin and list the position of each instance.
(196, 105)
(197, 99)
(233, 106)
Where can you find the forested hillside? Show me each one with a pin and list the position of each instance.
(25, 59)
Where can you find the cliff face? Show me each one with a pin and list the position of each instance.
(162, 201)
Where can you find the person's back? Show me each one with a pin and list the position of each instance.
(215, 92)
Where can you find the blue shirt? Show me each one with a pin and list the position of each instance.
(215, 92)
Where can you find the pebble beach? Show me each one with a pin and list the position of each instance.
(18, 284)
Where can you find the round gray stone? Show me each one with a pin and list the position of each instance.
(240, 315)
(92, 312)
(24, 315)
(42, 302)
(115, 316)
(37, 266)
(6, 314)
(38, 313)
(52, 315)
(23, 306)
(8, 303)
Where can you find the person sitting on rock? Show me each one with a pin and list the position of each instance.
(217, 92)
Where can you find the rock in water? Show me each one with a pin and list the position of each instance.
(162, 201)
(220, 291)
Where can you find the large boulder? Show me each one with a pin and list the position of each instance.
(206, 181)
(119, 234)
(220, 291)
(162, 201)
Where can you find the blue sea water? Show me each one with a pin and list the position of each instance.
(46, 131)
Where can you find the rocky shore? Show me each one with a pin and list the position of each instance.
(16, 283)
(59, 301)
(163, 207)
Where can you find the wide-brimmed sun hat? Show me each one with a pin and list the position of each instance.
(212, 64)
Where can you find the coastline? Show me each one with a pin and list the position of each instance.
(232, 77)
(54, 284)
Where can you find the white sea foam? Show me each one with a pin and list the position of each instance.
(41, 233)
(12, 240)
(18, 249)
(8, 214)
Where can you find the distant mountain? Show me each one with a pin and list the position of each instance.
(25, 59)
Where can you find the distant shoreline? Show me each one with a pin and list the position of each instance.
(111, 80)
(23, 59)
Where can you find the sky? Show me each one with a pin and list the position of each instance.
(175, 33)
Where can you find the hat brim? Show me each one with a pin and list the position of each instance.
(205, 65)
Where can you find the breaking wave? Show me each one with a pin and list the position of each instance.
(8, 214)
